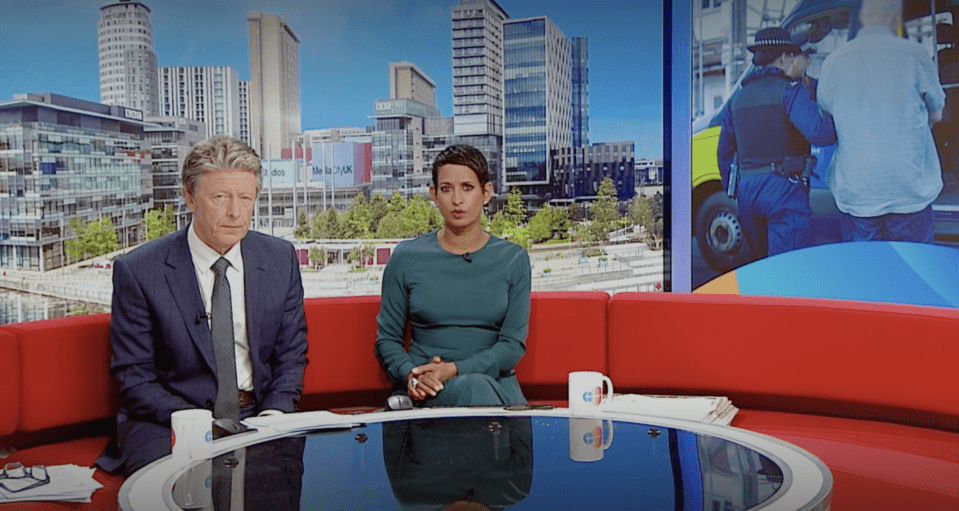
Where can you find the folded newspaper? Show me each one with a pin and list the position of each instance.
(68, 483)
(708, 409)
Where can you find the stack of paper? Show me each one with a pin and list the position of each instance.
(709, 409)
(69, 483)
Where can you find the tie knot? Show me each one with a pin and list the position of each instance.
(220, 266)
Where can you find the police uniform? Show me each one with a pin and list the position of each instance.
(767, 127)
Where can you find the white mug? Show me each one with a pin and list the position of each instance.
(194, 489)
(191, 434)
(586, 396)
(587, 439)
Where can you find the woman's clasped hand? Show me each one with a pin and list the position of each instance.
(427, 380)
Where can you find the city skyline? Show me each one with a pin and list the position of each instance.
(345, 53)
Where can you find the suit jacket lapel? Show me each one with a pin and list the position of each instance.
(181, 277)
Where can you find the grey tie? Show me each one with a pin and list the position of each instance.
(227, 395)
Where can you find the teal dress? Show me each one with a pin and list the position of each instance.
(472, 311)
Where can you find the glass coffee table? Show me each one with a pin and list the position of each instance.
(486, 458)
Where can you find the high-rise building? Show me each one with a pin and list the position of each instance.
(478, 90)
(538, 100)
(578, 171)
(398, 148)
(408, 82)
(128, 66)
(63, 159)
(478, 67)
(274, 84)
(210, 95)
(580, 84)
(244, 88)
(171, 139)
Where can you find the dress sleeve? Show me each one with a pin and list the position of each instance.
(391, 322)
(510, 345)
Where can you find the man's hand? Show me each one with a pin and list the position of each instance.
(427, 380)
(935, 116)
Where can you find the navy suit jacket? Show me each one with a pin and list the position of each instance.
(162, 347)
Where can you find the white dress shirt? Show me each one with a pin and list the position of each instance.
(203, 259)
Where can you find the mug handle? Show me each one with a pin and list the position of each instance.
(609, 440)
(607, 398)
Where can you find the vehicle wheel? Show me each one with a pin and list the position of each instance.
(719, 234)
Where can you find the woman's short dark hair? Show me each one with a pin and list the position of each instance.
(462, 154)
(764, 57)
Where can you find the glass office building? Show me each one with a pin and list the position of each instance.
(63, 158)
(398, 148)
(171, 139)
(580, 84)
(538, 99)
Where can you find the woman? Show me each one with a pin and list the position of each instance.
(466, 294)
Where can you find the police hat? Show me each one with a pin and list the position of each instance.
(801, 39)
(775, 39)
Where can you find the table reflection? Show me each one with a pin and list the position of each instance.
(471, 463)
(268, 475)
(486, 463)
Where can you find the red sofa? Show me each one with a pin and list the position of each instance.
(865, 387)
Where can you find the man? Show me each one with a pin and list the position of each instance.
(175, 298)
(884, 94)
(767, 128)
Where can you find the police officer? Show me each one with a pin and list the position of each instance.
(767, 127)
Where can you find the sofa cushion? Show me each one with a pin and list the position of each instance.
(567, 332)
(875, 465)
(785, 354)
(81, 452)
(65, 371)
(9, 383)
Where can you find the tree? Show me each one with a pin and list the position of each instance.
(515, 211)
(416, 217)
(560, 223)
(379, 208)
(497, 225)
(397, 203)
(390, 226)
(327, 225)
(159, 223)
(303, 226)
(357, 220)
(605, 211)
(317, 256)
(641, 212)
(93, 239)
(540, 225)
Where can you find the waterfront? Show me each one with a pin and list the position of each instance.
(19, 307)
(623, 267)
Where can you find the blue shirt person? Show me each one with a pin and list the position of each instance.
(884, 93)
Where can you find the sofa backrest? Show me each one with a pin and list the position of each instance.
(567, 332)
(340, 332)
(65, 372)
(9, 383)
(870, 360)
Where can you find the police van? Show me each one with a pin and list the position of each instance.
(830, 23)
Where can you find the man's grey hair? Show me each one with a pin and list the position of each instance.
(217, 154)
(883, 13)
